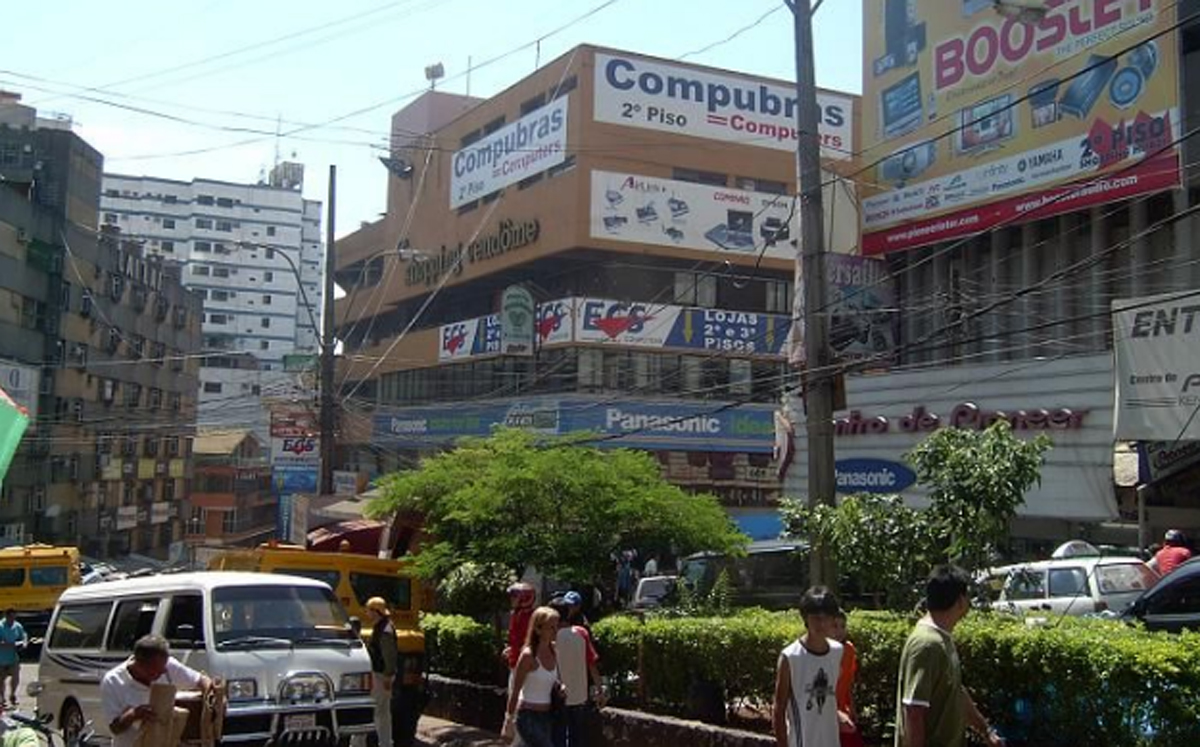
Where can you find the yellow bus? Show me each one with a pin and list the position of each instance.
(32, 577)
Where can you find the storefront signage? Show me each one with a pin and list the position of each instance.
(667, 326)
(666, 212)
(516, 321)
(295, 451)
(430, 267)
(872, 476)
(555, 322)
(864, 321)
(698, 426)
(469, 338)
(1029, 108)
(532, 144)
(1157, 345)
(160, 513)
(21, 383)
(967, 415)
(639, 92)
(1159, 459)
(127, 517)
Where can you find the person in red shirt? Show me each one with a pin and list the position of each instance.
(1173, 554)
(522, 597)
(848, 735)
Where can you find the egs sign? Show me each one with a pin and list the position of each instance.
(299, 446)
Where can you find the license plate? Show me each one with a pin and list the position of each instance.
(300, 722)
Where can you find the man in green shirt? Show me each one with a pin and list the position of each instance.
(933, 709)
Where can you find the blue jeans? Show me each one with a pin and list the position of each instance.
(570, 728)
(535, 728)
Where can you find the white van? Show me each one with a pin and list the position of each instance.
(282, 644)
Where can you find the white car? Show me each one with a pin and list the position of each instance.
(1074, 586)
(651, 590)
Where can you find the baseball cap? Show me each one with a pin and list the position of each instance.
(1174, 536)
(378, 605)
(572, 598)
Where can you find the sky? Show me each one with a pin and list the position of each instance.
(199, 89)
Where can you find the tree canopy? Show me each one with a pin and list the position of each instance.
(516, 499)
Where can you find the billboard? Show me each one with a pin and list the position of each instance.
(864, 320)
(667, 212)
(1156, 342)
(648, 325)
(516, 321)
(21, 383)
(648, 94)
(469, 338)
(295, 452)
(529, 146)
(977, 119)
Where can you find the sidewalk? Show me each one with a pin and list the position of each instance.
(434, 731)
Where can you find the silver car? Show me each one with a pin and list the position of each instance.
(1074, 586)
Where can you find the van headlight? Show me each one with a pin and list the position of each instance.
(305, 687)
(357, 682)
(242, 689)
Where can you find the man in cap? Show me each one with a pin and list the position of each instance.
(577, 660)
(1174, 553)
(384, 656)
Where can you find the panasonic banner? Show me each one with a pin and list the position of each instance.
(683, 100)
(529, 146)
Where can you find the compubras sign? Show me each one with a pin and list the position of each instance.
(526, 147)
(636, 92)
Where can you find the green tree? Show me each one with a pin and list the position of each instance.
(976, 480)
(514, 499)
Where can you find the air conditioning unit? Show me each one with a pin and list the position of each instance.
(127, 469)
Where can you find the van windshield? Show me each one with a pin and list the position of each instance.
(278, 616)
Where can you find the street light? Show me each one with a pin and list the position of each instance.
(279, 251)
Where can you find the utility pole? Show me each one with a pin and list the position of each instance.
(818, 378)
(327, 345)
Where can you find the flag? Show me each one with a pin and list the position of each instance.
(14, 419)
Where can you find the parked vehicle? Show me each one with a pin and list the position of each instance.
(356, 578)
(1074, 585)
(652, 590)
(293, 668)
(1172, 604)
(772, 573)
(32, 577)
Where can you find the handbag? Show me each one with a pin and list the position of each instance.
(558, 693)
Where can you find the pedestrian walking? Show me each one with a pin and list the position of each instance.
(521, 599)
(933, 709)
(529, 715)
(384, 658)
(805, 710)
(577, 665)
(13, 641)
(848, 734)
(1173, 554)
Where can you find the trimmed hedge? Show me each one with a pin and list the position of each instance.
(1079, 681)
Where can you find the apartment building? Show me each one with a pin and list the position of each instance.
(254, 254)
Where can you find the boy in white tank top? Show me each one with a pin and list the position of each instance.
(805, 712)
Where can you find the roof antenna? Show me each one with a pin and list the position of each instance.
(278, 134)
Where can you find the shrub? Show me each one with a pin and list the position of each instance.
(460, 647)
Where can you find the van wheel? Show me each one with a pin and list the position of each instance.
(72, 722)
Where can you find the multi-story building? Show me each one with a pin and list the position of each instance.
(111, 337)
(254, 254)
(231, 503)
(1007, 230)
(606, 246)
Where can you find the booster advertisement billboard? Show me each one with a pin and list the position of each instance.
(973, 119)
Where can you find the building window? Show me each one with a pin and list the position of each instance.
(200, 270)
(202, 293)
(268, 277)
(204, 223)
(220, 272)
(170, 199)
(568, 84)
(591, 369)
(220, 295)
(270, 254)
(218, 318)
(212, 387)
(760, 185)
(110, 217)
(107, 192)
(203, 246)
(270, 230)
(168, 222)
(533, 104)
(265, 322)
(224, 202)
(264, 344)
(696, 289)
(204, 200)
(225, 226)
(266, 300)
(711, 178)
(168, 247)
(779, 296)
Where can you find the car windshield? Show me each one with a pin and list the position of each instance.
(1123, 579)
(271, 616)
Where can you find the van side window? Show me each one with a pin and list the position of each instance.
(80, 626)
(134, 619)
(50, 575)
(12, 577)
(333, 578)
(187, 612)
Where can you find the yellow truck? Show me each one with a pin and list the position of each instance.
(355, 578)
(32, 577)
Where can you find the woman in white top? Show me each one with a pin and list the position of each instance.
(534, 679)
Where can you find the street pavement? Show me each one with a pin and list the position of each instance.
(430, 731)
